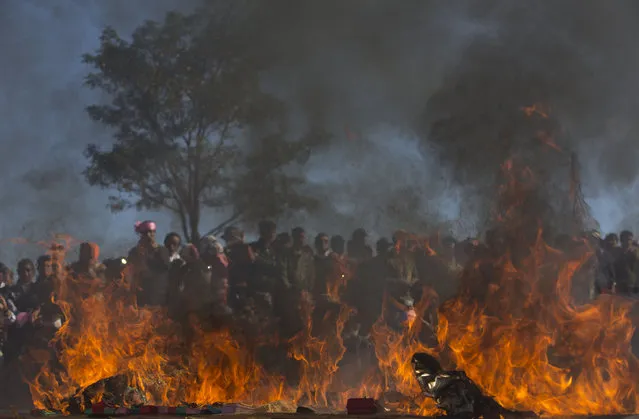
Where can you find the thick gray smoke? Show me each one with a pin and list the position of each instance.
(477, 63)
(45, 127)
(376, 73)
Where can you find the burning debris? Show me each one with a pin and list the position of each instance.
(453, 392)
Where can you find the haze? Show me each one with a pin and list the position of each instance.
(366, 66)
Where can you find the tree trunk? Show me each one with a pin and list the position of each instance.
(194, 223)
(185, 225)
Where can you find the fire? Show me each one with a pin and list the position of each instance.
(536, 109)
(513, 328)
(394, 350)
(319, 356)
(108, 335)
(524, 342)
(547, 140)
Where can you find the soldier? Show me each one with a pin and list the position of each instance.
(323, 265)
(300, 269)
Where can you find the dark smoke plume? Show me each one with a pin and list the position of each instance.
(475, 65)
(385, 71)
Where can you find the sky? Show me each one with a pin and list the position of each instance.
(45, 127)
(373, 68)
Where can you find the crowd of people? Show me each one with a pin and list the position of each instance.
(217, 280)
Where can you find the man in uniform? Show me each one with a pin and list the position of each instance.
(300, 272)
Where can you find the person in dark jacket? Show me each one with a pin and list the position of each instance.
(149, 266)
(240, 266)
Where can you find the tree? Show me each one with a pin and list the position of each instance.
(188, 113)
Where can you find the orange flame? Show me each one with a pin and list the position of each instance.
(513, 329)
(536, 109)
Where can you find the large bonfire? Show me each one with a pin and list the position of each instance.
(513, 328)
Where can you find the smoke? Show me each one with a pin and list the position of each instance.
(383, 72)
(476, 64)
(572, 58)
(365, 71)
(45, 127)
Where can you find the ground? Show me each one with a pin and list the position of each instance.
(9, 415)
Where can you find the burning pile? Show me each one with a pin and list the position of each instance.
(513, 329)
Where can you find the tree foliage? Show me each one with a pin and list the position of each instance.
(192, 126)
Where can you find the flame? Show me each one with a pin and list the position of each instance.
(513, 328)
(536, 109)
(525, 342)
(106, 334)
(547, 140)
(319, 356)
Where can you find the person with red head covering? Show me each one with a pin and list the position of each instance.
(149, 264)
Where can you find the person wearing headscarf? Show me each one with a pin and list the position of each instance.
(149, 266)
